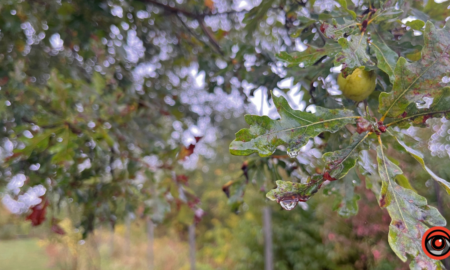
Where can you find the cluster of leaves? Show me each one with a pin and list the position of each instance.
(83, 120)
(412, 87)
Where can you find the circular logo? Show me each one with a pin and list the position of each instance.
(436, 243)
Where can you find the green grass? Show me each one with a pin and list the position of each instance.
(22, 254)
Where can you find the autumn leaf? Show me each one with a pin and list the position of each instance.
(37, 215)
(209, 4)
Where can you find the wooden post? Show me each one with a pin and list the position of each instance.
(192, 245)
(268, 256)
(150, 236)
(127, 235)
(111, 242)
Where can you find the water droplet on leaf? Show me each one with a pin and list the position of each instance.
(424, 103)
(289, 204)
(292, 154)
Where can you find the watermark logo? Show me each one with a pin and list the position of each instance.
(436, 243)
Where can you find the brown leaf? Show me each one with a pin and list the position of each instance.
(209, 4)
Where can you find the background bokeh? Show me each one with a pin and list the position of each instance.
(117, 116)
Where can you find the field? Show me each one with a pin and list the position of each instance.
(101, 252)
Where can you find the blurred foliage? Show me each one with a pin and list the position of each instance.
(112, 111)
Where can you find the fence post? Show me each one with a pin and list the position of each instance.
(150, 237)
(127, 235)
(192, 245)
(268, 256)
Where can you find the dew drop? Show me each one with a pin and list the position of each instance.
(289, 204)
(424, 103)
(292, 154)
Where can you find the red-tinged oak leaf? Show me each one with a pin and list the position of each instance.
(37, 215)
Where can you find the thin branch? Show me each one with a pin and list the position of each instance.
(171, 9)
(210, 36)
(190, 30)
(198, 17)
(322, 37)
(189, 13)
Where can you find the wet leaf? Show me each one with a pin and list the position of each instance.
(336, 31)
(289, 192)
(386, 57)
(340, 162)
(386, 14)
(369, 169)
(309, 56)
(354, 54)
(346, 202)
(293, 130)
(410, 216)
(419, 157)
(416, 24)
(418, 117)
(343, 4)
(420, 82)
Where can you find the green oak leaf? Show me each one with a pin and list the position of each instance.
(386, 14)
(299, 191)
(410, 216)
(400, 137)
(293, 130)
(336, 31)
(340, 162)
(420, 82)
(38, 143)
(416, 24)
(309, 56)
(417, 117)
(368, 168)
(343, 4)
(353, 54)
(346, 201)
(386, 57)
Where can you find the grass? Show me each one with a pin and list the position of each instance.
(22, 254)
(101, 251)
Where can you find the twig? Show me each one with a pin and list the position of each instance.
(211, 38)
(189, 13)
(171, 9)
(190, 30)
(322, 37)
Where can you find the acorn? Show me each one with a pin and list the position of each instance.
(358, 85)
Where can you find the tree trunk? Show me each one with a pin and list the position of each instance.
(192, 245)
(150, 237)
(267, 221)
